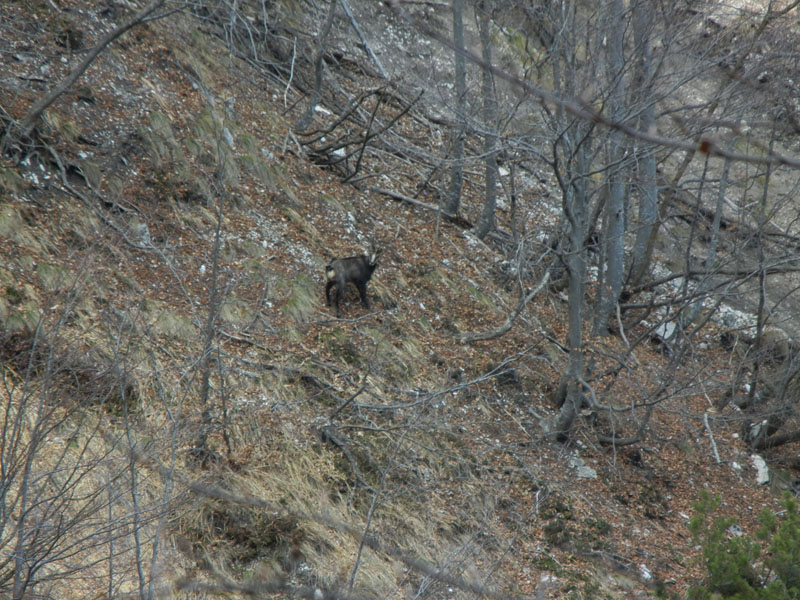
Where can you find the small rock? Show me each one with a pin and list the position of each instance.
(762, 470)
(581, 470)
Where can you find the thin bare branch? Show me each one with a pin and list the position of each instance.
(30, 120)
(580, 109)
(468, 338)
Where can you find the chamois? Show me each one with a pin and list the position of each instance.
(356, 270)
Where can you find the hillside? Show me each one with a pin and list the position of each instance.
(183, 416)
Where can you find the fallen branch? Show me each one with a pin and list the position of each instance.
(404, 198)
(329, 433)
(457, 220)
(468, 338)
(711, 438)
(765, 443)
(364, 43)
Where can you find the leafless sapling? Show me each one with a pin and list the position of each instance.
(354, 269)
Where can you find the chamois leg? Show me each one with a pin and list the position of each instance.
(328, 287)
(337, 297)
(362, 291)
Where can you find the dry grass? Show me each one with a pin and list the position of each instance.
(351, 427)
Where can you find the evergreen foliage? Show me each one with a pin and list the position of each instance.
(735, 567)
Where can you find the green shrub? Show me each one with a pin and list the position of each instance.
(734, 565)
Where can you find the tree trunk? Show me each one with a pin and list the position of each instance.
(558, 425)
(614, 221)
(648, 216)
(571, 163)
(490, 124)
(316, 93)
(576, 209)
(453, 199)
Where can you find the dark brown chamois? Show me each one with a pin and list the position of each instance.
(356, 270)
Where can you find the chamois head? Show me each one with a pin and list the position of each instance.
(354, 269)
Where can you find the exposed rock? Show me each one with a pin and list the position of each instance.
(762, 470)
(581, 470)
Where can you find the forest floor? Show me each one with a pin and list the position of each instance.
(383, 419)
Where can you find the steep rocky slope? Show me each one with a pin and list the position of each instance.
(163, 324)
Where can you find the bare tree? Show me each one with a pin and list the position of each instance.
(453, 198)
(613, 231)
(319, 65)
(646, 224)
(571, 161)
(62, 485)
(490, 120)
